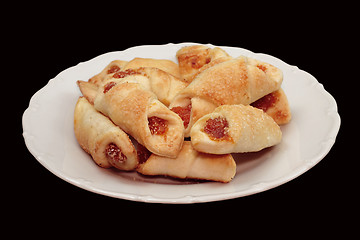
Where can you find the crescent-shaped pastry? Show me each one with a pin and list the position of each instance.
(164, 85)
(102, 139)
(162, 64)
(276, 105)
(235, 129)
(119, 65)
(139, 113)
(89, 90)
(108, 72)
(191, 164)
(196, 58)
(240, 80)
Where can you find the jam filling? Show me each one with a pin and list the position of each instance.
(157, 126)
(217, 128)
(114, 154)
(262, 68)
(125, 73)
(113, 69)
(108, 86)
(143, 153)
(266, 102)
(184, 114)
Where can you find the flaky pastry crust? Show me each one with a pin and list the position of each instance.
(247, 129)
(96, 134)
(191, 164)
(130, 106)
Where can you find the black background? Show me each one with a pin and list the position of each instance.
(45, 43)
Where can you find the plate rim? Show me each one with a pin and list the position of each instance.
(186, 199)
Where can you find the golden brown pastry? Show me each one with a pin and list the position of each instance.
(164, 85)
(162, 64)
(139, 113)
(276, 105)
(225, 104)
(240, 80)
(191, 164)
(119, 65)
(196, 58)
(89, 90)
(235, 129)
(108, 72)
(102, 139)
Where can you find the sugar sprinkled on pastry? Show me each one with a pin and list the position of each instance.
(235, 129)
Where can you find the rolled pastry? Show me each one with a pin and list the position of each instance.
(139, 113)
(164, 85)
(119, 65)
(162, 64)
(235, 129)
(196, 58)
(89, 90)
(102, 139)
(276, 105)
(241, 80)
(108, 72)
(191, 164)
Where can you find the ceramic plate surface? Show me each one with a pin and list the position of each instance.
(49, 136)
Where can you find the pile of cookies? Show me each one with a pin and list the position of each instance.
(183, 119)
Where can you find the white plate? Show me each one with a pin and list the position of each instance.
(48, 133)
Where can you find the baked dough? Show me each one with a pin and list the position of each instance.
(102, 139)
(276, 105)
(191, 164)
(164, 85)
(108, 72)
(196, 58)
(240, 80)
(157, 102)
(162, 64)
(139, 113)
(89, 90)
(235, 129)
(120, 65)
